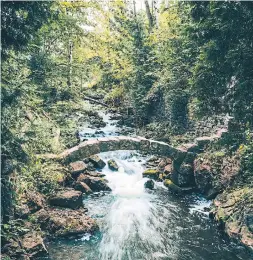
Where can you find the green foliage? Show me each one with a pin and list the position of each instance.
(222, 78)
(42, 177)
(19, 21)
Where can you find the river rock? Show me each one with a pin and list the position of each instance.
(35, 201)
(65, 223)
(83, 187)
(96, 183)
(68, 199)
(77, 167)
(97, 161)
(203, 177)
(183, 175)
(164, 162)
(113, 165)
(29, 203)
(234, 210)
(168, 169)
(33, 245)
(175, 188)
(149, 184)
(151, 173)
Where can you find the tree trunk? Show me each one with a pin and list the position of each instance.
(70, 58)
(155, 6)
(149, 15)
(166, 4)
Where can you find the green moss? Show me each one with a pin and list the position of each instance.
(172, 186)
(221, 216)
(167, 182)
(151, 173)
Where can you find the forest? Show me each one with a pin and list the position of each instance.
(82, 74)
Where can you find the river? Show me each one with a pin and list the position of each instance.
(140, 224)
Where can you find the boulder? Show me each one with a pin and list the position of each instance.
(174, 188)
(149, 184)
(81, 177)
(83, 187)
(153, 161)
(33, 245)
(77, 168)
(58, 222)
(184, 175)
(35, 201)
(203, 177)
(113, 165)
(167, 169)
(151, 173)
(29, 203)
(68, 199)
(233, 209)
(97, 161)
(161, 177)
(96, 183)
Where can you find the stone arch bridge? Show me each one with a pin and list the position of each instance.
(106, 144)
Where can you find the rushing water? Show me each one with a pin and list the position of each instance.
(140, 224)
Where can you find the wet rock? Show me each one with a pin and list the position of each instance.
(168, 169)
(69, 199)
(97, 122)
(183, 175)
(92, 113)
(33, 245)
(151, 173)
(77, 167)
(96, 174)
(96, 183)
(97, 161)
(175, 188)
(161, 177)
(164, 162)
(81, 177)
(172, 186)
(203, 177)
(115, 117)
(234, 211)
(149, 184)
(65, 223)
(83, 187)
(99, 132)
(113, 165)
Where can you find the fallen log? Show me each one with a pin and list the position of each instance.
(95, 101)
